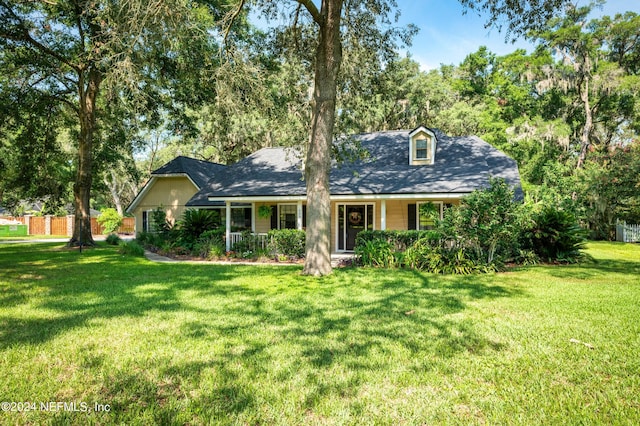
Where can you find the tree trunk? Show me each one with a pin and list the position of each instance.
(82, 187)
(112, 184)
(318, 161)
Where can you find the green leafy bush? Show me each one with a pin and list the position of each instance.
(131, 248)
(487, 222)
(555, 235)
(378, 253)
(109, 220)
(210, 244)
(159, 222)
(400, 240)
(113, 239)
(194, 223)
(287, 242)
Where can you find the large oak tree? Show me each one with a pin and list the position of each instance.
(367, 17)
(79, 53)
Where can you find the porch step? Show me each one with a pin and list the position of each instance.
(340, 259)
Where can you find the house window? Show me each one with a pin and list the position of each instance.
(240, 218)
(422, 146)
(288, 216)
(422, 150)
(427, 213)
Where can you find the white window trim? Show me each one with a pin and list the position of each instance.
(431, 147)
(288, 204)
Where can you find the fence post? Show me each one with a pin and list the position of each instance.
(27, 221)
(70, 223)
(47, 224)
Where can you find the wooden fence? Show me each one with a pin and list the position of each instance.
(627, 233)
(50, 225)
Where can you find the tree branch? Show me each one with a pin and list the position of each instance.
(312, 9)
(232, 19)
(22, 34)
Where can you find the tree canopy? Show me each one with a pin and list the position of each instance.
(98, 94)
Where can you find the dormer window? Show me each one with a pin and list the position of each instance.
(422, 146)
(422, 152)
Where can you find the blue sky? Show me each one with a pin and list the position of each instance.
(447, 36)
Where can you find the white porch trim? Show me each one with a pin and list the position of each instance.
(228, 225)
(351, 197)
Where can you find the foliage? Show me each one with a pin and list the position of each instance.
(131, 248)
(287, 242)
(265, 212)
(399, 240)
(113, 239)
(486, 230)
(377, 253)
(194, 223)
(159, 222)
(555, 235)
(487, 222)
(110, 220)
(210, 244)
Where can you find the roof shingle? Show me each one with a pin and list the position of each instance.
(462, 164)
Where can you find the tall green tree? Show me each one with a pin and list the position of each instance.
(75, 51)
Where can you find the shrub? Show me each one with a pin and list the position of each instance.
(377, 253)
(555, 235)
(287, 242)
(400, 240)
(113, 239)
(194, 223)
(210, 244)
(110, 220)
(486, 222)
(131, 248)
(159, 222)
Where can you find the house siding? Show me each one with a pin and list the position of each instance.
(170, 192)
(263, 225)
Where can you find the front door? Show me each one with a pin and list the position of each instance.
(353, 218)
(356, 217)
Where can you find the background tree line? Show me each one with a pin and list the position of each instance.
(568, 112)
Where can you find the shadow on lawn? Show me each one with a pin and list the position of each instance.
(299, 328)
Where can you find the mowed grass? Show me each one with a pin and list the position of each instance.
(201, 344)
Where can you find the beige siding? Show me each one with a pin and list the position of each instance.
(397, 215)
(263, 225)
(170, 192)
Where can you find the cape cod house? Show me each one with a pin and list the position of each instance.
(171, 187)
(403, 169)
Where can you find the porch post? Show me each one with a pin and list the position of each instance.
(228, 225)
(299, 215)
(383, 215)
(253, 218)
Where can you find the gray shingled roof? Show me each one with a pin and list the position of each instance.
(199, 171)
(462, 164)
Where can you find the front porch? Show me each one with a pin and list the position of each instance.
(349, 216)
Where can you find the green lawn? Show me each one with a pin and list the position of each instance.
(200, 344)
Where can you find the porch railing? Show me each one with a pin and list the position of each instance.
(261, 239)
